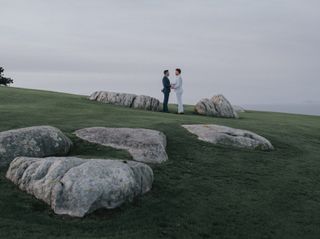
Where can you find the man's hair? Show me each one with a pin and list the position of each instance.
(165, 72)
(178, 70)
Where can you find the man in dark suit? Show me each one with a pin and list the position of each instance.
(166, 90)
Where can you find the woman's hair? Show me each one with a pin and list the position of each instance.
(178, 70)
(165, 72)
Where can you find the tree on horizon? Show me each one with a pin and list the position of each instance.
(4, 80)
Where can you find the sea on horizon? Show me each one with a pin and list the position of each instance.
(303, 109)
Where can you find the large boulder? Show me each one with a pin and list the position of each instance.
(223, 107)
(114, 98)
(144, 145)
(223, 135)
(217, 106)
(38, 141)
(146, 103)
(127, 100)
(75, 187)
(206, 107)
(238, 109)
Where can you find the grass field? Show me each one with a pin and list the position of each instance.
(203, 191)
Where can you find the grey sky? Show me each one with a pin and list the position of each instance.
(251, 51)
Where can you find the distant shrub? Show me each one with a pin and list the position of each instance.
(4, 80)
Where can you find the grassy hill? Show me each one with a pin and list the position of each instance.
(203, 191)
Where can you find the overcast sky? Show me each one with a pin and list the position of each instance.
(254, 52)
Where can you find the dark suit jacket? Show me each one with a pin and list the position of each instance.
(166, 85)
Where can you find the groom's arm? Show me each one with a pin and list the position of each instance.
(167, 84)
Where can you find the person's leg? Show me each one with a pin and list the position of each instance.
(165, 102)
(180, 105)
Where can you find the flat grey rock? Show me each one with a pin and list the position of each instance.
(217, 106)
(145, 145)
(74, 186)
(223, 135)
(38, 141)
(127, 100)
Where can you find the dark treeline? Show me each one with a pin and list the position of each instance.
(4, 80)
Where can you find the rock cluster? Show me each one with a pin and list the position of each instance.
(128, 100)
(223, 135)
(217, 106)
(39, 141)
(75, 186)
(144, 145)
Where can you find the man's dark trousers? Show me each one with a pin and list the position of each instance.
(166, 91)
(165, 101)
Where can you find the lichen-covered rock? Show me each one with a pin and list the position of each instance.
(114, 98)
(223, 107)
(146, 103)
(223, 135)
(144, 145)
(206, 107)
(75, 186)
(127, 100)
(217, 106)
(38, 141)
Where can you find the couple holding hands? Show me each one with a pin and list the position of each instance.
(177, 86)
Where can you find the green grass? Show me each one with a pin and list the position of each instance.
(203, 191)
